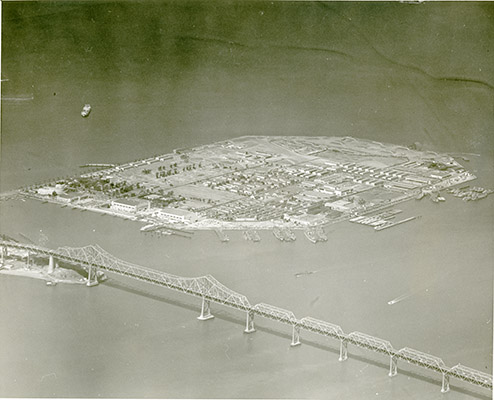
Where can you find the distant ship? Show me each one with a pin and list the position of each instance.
(86, 110)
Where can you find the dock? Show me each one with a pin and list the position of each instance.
(278, 234)
(391, 224)
(288, 235)
(222, 235)
(311, 235)
(252, 236)
(97, 166)
(161, 228)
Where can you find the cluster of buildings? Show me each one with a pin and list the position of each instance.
(309, 181)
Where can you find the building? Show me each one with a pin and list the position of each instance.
(129, 205)
(72, 197)
(176, 215)
(49, 190)
(340, 205)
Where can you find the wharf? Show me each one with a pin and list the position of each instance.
(222, 235)
(278, 234)
(252, 236)
(391, 224)
(167, 230)
(288, 235)
(311, 235)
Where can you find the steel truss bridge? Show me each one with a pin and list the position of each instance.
(93, 258)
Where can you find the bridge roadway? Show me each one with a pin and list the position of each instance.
(94, 258)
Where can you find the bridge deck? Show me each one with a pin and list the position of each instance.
(208, 288)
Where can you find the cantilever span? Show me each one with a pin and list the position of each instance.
(93, 257)
(205, 286)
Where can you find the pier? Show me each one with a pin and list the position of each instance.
(252, 236)
(222, 235)
(97, 166)
(391, 224)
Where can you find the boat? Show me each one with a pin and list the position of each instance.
(252, 236)
(311, 235)
(288, 235)
(222, 235)
(86, 110)
(148, 228)
(278, 234)
(321, 235)
(420, 196)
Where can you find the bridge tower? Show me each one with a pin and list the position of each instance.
(249, 326)
(205, 310)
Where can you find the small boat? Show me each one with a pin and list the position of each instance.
(86, 110)
(311, 235)
(51, 283)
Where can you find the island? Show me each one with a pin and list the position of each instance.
(23, 263)
(262, 182)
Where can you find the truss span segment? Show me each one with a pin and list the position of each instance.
(28, 247)
(372, 343)
(215, 290)
(205, 286)
(422, 359)
(208, 287)
(322, 327)
(275, 313)
(471, 375)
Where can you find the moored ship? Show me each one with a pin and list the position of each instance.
(86, 110)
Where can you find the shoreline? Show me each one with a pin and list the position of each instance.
(9, 268)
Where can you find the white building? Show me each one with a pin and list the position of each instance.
(129, 205)
(48, 190)
(339, 205)
(176, 215)
(72, 196)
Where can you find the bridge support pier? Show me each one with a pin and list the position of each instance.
(51, 265)
(343, 350)
(249, 326)
(445, 383)
(205, 310)
(393, 365)
(295, 336)
(92, 279)
(3, 254)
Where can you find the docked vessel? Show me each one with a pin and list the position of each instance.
(86, 110)
(222, 235)
(288, 235)
(321, 235)
(252, 236)
(311, 235)
(278, 234)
